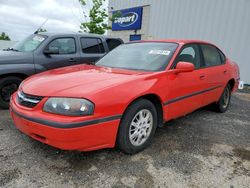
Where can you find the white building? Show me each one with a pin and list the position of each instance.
(225, 23)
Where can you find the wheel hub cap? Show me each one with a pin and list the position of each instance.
(140, 127)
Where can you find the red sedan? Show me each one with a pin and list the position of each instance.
(124, 97)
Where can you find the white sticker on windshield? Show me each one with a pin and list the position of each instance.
(40, 39)
(159, 52)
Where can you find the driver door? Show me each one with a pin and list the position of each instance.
(185, 89)
(66, 55)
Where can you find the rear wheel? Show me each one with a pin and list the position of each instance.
(137, 126)
(8, 86)
(224, 101)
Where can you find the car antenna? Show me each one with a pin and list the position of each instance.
(41, 26)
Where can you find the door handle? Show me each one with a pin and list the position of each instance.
(225, 71)
(202, 77)
(72, 60)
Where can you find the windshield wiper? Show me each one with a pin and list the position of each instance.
(11, 49)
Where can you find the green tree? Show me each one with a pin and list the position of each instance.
(98, 18)
(3, 36)
(40, 30)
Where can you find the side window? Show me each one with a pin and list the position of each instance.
(92, 46)
(190, 54)
(223, 57)
(113, 43)
(63, 45)
(211, 55)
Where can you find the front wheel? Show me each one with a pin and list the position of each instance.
(137, 126)
(224, 101)
(8, 86)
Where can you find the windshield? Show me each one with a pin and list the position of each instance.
(29, 44)
(147, 56)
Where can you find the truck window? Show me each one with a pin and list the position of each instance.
(64, 45)
(113, 43)
(92, 45)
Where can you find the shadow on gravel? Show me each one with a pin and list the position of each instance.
(242, 153)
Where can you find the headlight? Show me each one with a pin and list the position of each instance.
(69, 106)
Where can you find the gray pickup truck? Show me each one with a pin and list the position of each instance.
(45, 51)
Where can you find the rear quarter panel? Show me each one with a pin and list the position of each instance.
(234, 73)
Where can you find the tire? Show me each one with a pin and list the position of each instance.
(8, 86)
(224, 101)
(144, 130)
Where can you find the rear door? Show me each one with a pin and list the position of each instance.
(186, 89)
(92, 49)
(67, 55)
(217, 72)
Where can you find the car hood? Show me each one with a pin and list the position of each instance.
(77, 81)
(11, 57)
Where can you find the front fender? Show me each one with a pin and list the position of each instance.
(115, 100)
(26, 69)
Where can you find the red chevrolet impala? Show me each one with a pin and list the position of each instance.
(124, 97)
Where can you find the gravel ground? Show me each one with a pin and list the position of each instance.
(203, 149)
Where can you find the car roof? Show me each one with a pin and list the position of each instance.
(179, 41)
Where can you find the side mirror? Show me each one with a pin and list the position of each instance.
(51, 50)
(184, 67)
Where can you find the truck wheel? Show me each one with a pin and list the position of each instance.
(224, 101)
(8, 86)
(137, 127)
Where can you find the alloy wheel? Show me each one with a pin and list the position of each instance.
(225, 98)
(140, 127)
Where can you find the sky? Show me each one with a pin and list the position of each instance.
(20, 18)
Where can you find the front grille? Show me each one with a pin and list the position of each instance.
(27, 100)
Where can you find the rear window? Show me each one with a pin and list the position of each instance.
(113, 43)
(212, 56)
(92, 46)
(223, 57)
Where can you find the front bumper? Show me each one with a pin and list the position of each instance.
(83, 136)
